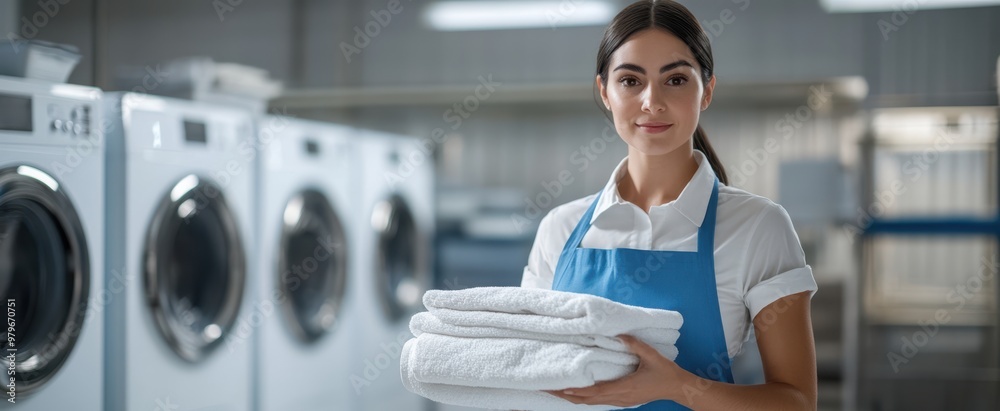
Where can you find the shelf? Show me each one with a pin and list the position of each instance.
(849, 90)
(934, 226)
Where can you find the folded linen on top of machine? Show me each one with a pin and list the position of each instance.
(544, 311)
(427, 322)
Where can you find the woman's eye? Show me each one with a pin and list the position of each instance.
(677, 81)
(629, 82)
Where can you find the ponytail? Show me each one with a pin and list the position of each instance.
(701, 144)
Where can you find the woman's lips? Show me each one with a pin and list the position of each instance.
(653, 128)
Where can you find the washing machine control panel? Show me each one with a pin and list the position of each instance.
(74, 123)
(64, 118)
(46, 113)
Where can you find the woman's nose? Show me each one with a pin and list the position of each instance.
(652, 100)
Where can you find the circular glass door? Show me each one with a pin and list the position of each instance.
(312, 265)
(195, 268)
(44, 274)
(398, 268)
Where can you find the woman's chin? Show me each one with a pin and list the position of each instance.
(653, 146)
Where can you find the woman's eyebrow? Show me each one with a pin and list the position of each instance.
(664, 69)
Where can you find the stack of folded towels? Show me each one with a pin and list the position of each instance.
(497, 347)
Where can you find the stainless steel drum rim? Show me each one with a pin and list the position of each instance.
(51, 290)
(312, 265)
(194, 268)
(401, 276)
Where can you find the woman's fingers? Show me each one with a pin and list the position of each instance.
(639, 347)
(596, 400)
(618, 386)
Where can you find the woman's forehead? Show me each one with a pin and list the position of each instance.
(651, 49)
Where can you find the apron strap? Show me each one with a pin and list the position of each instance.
(576, 237)
(706, 233)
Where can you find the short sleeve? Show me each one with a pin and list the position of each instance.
(540, 269)
(775, 262)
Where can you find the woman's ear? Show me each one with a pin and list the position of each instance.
(706, 99)
(604, 92)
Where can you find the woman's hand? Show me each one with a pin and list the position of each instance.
(656, 378)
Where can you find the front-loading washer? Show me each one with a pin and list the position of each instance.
(397, 233)
(51, 245)
(307, 195)
(180, 198)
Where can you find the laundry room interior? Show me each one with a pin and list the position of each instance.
(242, 204)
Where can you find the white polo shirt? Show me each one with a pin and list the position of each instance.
(758, 258)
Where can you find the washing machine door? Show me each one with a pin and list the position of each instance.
(194, 268)
(400, 274)
(312, 265)
(44, 275)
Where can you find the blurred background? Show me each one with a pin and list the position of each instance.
(874, 123)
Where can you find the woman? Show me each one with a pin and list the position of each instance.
(665, 233)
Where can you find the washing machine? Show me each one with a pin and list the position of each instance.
(398, 198)
(51, 245)
(307, 196)
(180, 196)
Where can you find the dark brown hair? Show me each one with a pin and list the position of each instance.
(678, 20)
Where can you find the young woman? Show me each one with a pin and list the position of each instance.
(667, 232)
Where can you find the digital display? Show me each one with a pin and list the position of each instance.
(15, 113)
(312, 148)
(194, 132)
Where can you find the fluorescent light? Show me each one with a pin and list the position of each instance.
(842, 6)
(499, 15)
(75, 92)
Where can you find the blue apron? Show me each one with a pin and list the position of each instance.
(682, 281)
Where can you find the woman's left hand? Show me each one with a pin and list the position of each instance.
(656, 378)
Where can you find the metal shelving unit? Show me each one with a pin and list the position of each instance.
(923, 330)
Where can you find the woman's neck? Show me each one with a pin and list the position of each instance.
(654, 180)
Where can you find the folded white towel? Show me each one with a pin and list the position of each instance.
(426, 322)
(481, 397)
(517, 363)
(544, 311)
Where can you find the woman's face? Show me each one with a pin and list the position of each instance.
(655, 92)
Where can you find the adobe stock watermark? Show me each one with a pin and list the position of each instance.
(786, 127)
(165, 405)
(715, 27)
(562, 12)
(116, 281)
(246, 151)
(38, 21)
(722, 363)
(390, 352)
(363, 38)
(225, 6)
(86, 147)
(709, 375)
(959, 296)
(374, 367)
(455, 116)
(900, 15)
(918, 165)
(582, 157)
(291, 280)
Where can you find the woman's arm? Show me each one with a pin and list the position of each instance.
(785, 338)
(784, 335)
